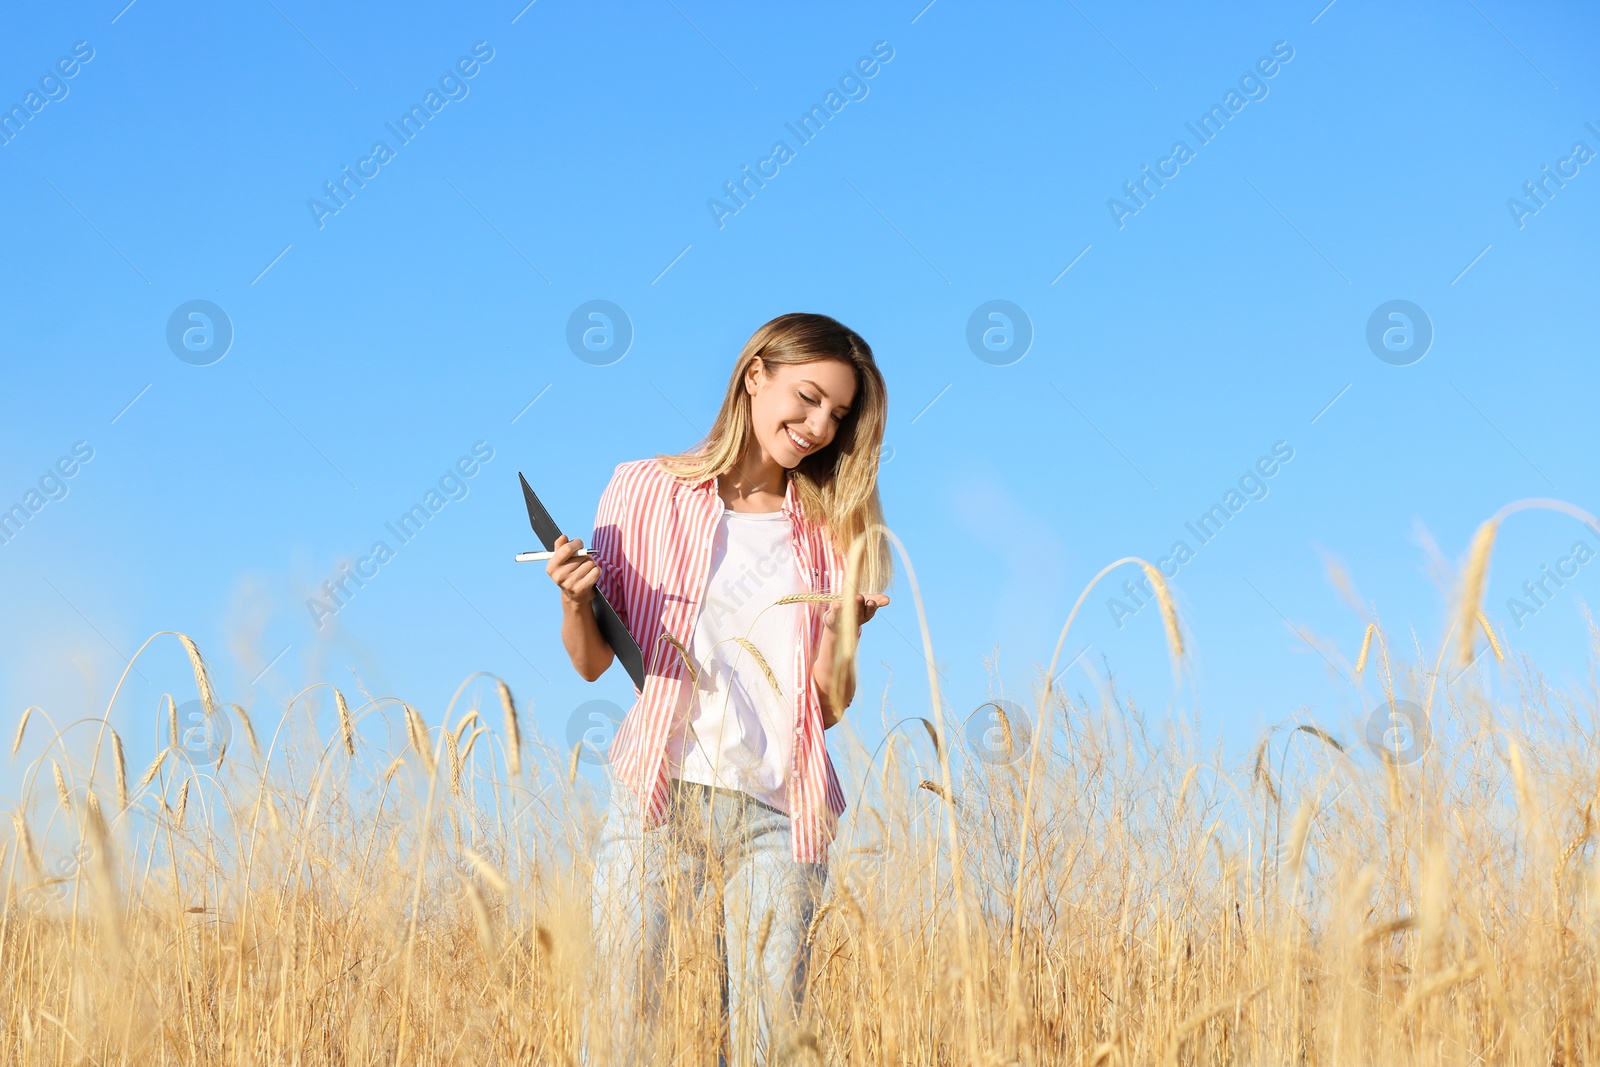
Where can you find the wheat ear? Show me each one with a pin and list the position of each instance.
(1366, 647)
(22, 725)
(513, 733)
(120, 764)
(1476, 576)
(347, 727)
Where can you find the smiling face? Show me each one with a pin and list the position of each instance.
(796, 408)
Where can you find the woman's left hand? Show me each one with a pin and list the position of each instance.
(867, 605)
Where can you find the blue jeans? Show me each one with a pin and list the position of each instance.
(642, 882)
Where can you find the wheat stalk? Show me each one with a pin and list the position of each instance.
(816, 921)
(1320, 734)
(472, 739)
(417, 734)
(249, 730)
(22, 726)
(487, 872)
(1494, 642)
(183, 805)
(1366, 646)
(30, 853)
(120, 765)
(1005, 728)
(480, 916)
(61, 786)
(683, 654)
(1382, 930)
(151, 771)
(1262, 771)
(347, 726)
(761, 661)
(1432, 987)
(97, 823)
(1475, 577)
(1298, 835)
(202, 680)
(513, 733)
(1169, 613)
(454, 753)
(762, 934)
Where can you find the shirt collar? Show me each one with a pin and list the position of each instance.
(791, 496)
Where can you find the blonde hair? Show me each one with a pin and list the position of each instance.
(836, 486)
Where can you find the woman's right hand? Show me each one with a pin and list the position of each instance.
(575, 575)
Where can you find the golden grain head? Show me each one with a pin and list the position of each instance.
(472, 739)
(30, 853)
(508, 708)
(453, 751)
(1169, 612)
(488, 873)
(1320, 734)
(1005, 728)
(120, 765)
(347, 726)
(22, 726)
(97, 825)
(683, 654)
(761, 661)
(1494, 642)
(1298, 836)
(183, 805)
(202, 679)
(1262, 771)
(417, 733)
(1475, 577)
(809, 598)
(483, 925)
(249, 729)
(61, 785)
(816, 921)
(1366, 647)
(763, 933)
(151, 771)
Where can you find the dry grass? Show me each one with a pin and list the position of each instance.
(334, 898)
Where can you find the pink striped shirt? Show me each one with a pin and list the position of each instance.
(653, 537)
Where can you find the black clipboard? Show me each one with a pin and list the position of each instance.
(611, 627)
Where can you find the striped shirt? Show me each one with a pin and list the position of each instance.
(653, 536)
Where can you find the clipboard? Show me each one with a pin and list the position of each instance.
(611, 627)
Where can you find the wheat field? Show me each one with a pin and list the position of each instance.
(364, 882)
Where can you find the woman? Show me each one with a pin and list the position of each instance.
(722, 793)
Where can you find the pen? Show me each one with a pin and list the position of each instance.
(534, 557)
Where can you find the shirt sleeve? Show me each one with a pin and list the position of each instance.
(610, 525)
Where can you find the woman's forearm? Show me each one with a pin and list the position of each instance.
(580, 633)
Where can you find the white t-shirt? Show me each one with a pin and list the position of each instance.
(733, 731)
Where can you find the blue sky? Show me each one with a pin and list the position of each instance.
(984, 159)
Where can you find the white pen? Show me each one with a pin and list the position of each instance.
(535, 557)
